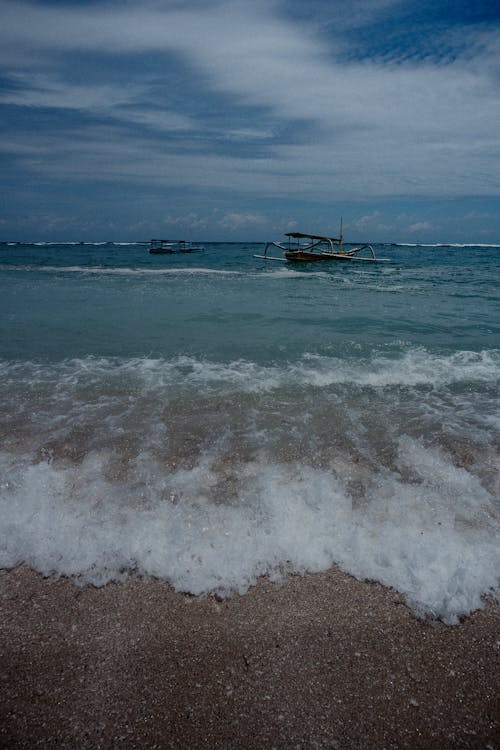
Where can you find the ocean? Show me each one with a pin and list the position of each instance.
(210, 418)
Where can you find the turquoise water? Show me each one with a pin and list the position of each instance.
(211, 417)
(114, 300)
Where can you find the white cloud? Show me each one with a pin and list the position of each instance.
(420, 226)
(190, 219)
(404, 127)
(233, 220)
(46, 90)
(363, 221)
(229, 221)
(122, 102)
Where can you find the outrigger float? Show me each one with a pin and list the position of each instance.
(318, 248)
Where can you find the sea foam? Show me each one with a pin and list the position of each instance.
(184, 526)
(209, 474)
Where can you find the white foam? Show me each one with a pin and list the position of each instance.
(414, 367)
(124, 271)
(250, 469)
(434, 538)
(74, 243)
(443, 244)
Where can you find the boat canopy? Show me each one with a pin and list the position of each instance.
(301, 235)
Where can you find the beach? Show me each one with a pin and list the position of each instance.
(320, 661)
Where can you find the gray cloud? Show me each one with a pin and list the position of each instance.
(262, 104)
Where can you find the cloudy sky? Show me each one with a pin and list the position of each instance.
(242, 119)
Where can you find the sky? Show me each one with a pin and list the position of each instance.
(239, 120)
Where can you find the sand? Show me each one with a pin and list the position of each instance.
(321, 661)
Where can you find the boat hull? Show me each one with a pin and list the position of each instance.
(165, 247)
(173, 252)
(302, 256)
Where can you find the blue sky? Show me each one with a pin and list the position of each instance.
(243, 119)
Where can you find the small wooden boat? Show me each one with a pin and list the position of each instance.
(167, 247)
(319, 248)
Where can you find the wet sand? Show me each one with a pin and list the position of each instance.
(322, 661)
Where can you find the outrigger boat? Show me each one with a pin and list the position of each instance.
(167, 247)
(317, 248)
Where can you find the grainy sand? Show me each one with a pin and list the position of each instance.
(323, 661)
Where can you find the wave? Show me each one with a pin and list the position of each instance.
(248, 244)
(441, 244)
(72, 244)
(411, 367)
(209, 474)
(116, 271)
(78, 521)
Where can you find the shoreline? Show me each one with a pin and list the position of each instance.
(320, 661)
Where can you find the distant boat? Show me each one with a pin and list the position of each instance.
(167, 247)
(319, 248)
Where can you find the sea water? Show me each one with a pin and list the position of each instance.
(211, 418)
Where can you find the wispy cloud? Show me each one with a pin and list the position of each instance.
(252, 99)
(228, 221)
(46, 90)
(233, 221)
(420, 226)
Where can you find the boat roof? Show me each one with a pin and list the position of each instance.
(301, 235)
(170, 242)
